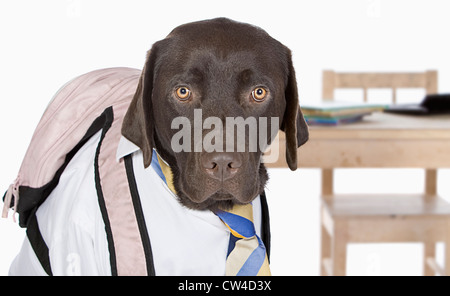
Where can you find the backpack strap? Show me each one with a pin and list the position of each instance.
(128, 241)
(38, 244)
(265, 221)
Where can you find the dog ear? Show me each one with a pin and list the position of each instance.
(138, 124)
(294, 124)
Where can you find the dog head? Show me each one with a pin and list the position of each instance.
(195, 81)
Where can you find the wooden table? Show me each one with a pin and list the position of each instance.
(381, 140)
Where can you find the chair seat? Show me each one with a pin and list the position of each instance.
(385, 205)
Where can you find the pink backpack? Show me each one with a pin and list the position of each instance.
(93, 102)
(64, 124)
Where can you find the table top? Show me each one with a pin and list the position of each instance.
(381, 140)
(381, 125)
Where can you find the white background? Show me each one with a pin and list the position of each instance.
(45, 43)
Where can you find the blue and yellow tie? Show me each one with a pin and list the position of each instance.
(246, 252)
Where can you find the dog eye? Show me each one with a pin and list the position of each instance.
(259, 94)
(183, 93)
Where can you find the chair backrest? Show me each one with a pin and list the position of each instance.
(366, 80)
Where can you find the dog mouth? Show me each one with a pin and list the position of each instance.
(222, 195)
(219, 198)
(218, 201)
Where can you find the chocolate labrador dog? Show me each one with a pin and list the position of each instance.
(225, 69)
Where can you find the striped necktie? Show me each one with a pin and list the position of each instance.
(246, 252)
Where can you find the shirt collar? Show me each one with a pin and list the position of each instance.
(126, 147)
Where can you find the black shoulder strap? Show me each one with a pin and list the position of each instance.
(38, 244)
(140, 216)
(265, 228)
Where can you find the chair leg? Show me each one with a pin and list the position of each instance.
(429, 251)
(447, 249)
(325, 250)
(339, 249)
(431, 182)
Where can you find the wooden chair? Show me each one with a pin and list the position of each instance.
(381, 218)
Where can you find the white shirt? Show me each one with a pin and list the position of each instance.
(184, 241)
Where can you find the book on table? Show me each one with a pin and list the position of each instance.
(335, 113)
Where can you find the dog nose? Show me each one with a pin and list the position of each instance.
(221, 165)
